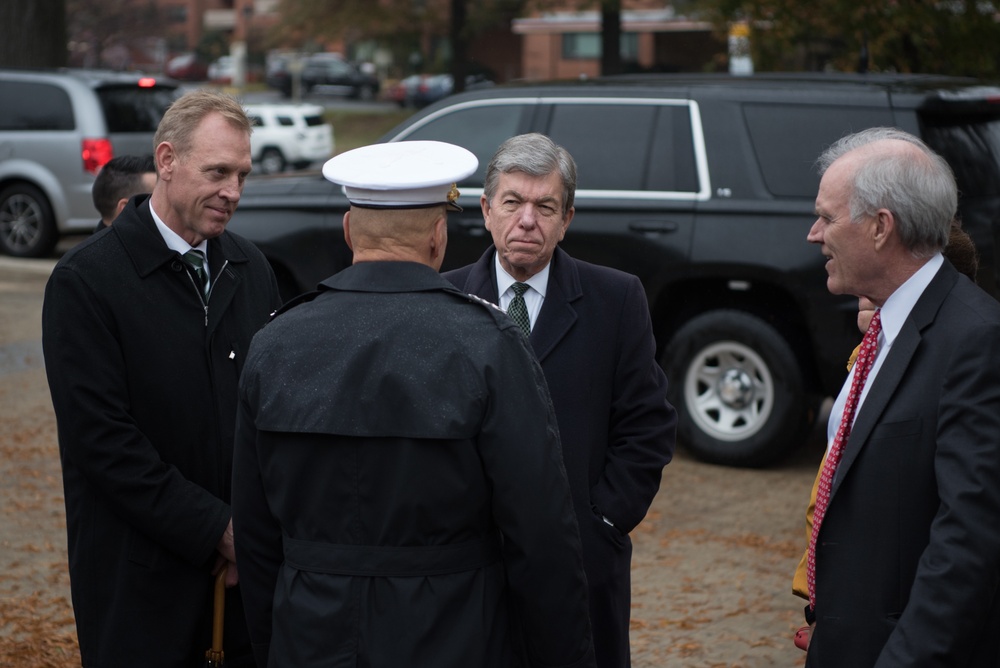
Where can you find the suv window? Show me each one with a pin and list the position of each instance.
(787, 139)
(34, 106)
(656, 137)
(134, 108)
(477, 127)
(972, 148)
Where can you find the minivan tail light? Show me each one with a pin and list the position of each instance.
(95, 153)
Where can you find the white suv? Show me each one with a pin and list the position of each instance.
(288, 134)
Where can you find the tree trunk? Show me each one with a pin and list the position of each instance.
(459, 45)
(33, 33)
(611, 37)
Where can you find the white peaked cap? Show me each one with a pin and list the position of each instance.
(402, 175)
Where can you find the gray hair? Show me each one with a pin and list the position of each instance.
(536, 155)
(918, 188)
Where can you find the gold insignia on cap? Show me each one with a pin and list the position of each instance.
(453, 193)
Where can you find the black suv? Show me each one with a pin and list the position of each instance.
(325, 72)
(704, 187)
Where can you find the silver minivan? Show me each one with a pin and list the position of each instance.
(57, 129)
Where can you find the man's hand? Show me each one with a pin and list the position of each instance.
(803, 636)
(227, 556)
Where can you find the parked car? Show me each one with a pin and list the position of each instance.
(186, 67)
(57, 129)
(222, 70)
(433, 88)
(402, 91)
(421, 90)
(288, 134)
(330, 73)
(704, 187)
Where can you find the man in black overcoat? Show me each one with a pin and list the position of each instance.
(398, 489)
(143, 353)
(590, 329)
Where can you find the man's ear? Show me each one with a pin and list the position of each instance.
(484, 204)
(121, 205)
(347, 230)
(439, 238)
(885, 228)
(567, 219)
(165, 158)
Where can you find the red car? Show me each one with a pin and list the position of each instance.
(186, 67)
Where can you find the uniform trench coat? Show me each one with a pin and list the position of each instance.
(399, 493)
(594, 340)
(143, 379)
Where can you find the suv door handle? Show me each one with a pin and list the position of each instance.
(658, 226)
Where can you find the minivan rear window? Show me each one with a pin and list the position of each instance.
(134, 109)
(28, 105)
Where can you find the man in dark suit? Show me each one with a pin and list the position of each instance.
(143, 352)
(590, 329)
(906, 550)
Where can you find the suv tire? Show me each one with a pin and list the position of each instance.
(27, 225)
(272, 161)
(738, 389)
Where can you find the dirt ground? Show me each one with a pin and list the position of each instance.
(711, 569)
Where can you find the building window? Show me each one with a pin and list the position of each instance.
(587, 45)
(176, 13)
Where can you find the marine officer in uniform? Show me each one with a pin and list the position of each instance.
(399, 495)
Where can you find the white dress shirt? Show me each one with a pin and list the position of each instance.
(533, 297)
(893, 314)
(175, 242)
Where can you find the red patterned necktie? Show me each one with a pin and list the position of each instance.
(866, 357)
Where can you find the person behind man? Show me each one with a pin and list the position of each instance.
(590, 328)
(143, 351)
(398, 488)
(119, 179)
(904, 554)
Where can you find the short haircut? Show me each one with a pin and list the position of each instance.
(119, 179)
(183, 116)
(917, 186)
(536, 155)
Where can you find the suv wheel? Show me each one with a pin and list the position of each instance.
(272, 161)
(738, 389)
(27, 225)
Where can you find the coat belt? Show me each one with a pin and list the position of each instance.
(390, 561)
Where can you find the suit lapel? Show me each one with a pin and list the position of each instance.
(558, 314)
(481, 280)
(894, 367)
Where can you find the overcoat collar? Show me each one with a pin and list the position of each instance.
(893, 369)
(387, 277)
(148, 252)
